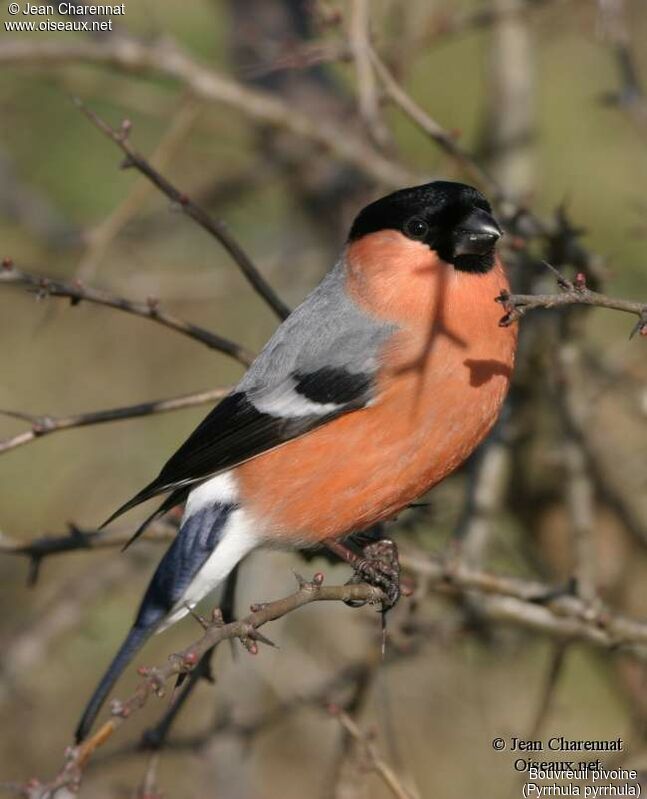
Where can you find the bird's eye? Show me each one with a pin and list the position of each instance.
(416, 228)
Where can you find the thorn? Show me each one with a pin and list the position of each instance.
(301, 581)
(34, 570)
(153, 304)
(179, 682)
(640, 327)
(127, 163)
(7, 263)
(183, 199)
(580, 281)
(255, 635)
(562, 282)
(200, 619)
(126, 127)
(217, 619)
(75, 531)
(143, 671)
(318, 579)
(250, 635)
(383, 625)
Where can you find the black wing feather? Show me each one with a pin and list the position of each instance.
(236, 431)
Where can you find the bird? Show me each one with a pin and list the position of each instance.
(375, 388)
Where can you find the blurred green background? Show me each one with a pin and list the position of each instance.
(56, 359)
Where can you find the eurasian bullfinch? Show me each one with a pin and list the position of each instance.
(375, 388)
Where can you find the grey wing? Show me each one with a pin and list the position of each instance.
(320, 363)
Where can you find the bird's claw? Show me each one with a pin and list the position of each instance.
(379, 567)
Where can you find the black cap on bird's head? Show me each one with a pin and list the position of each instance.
(453, 219)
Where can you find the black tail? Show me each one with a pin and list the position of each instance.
(191, 548)
(135, 639)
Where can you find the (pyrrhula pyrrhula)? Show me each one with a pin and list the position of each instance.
(375, 388)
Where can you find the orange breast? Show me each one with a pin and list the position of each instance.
(443, 381)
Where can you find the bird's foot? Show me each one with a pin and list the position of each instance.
(379, 566)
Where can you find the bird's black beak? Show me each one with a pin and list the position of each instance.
(476, 234)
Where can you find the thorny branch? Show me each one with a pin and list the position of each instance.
(555, 610)
(213, 226)
(574, 293)
(76, 292)
(166, 58)
(530, 604)
(100, 237)
(43, 425)
(154, 679)
(447, 141)
(76, 539)
(372, 757)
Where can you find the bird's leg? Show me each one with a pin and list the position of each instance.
(378, 565)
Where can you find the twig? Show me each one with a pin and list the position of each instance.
(527, 603)
(213, 226)
(77, 538)
(444, 139)
(560, 236)
(630, 96)
(509, 122)
(303, 55)
(155, 679)
(557, 661)
(166, 58)
(445, 23)
(42, 425)
(148, 787)
(373, 758)
(100, 237)
(536, 606)
(156, 737)
(488, 481)
(441, 26)
(360, 690)
(579, 489)
(359, 38)
(517, 305)
(77, 292)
